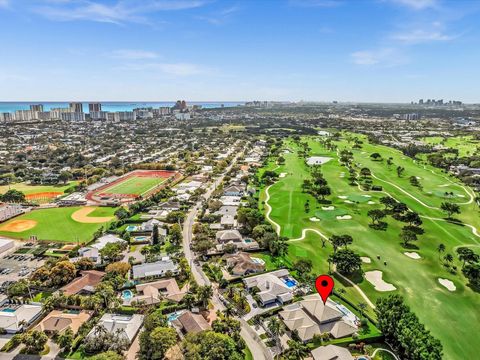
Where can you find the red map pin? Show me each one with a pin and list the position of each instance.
(324, 285)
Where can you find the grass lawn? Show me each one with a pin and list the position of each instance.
(57, 225)
(465, 145)
(443, 312)
(35, 189)
(247, 354)
(136, 185)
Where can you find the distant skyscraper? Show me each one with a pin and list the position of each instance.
(37, 107)
(76, 107)
(94, 107)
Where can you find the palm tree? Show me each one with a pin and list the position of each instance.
(440, 249)
(297, 350)
(362, 307)
(276, 329)
(448, 258)
(204, 294)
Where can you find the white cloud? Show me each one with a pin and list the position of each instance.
(418, 36)
(417, 4)
(387, 57)
(221, 17)
(131, 54)
(121, 11)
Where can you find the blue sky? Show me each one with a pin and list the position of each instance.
(322, 50)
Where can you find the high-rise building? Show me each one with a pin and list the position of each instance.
(98, 115)
(76, 107)
(36, 107)
(124, 116)
(5, 117)
(94, 107)
(23, 115)
(72, 116)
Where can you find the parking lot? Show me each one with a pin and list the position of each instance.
(14, 266)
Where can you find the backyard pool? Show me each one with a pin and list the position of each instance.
(131, 228)
(8, 310)
(127, 294)
(289, 282)
(174, 316)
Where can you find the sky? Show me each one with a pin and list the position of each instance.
(239, 50)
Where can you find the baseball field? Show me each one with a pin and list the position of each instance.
(68, 224)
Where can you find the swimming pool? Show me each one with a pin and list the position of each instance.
(8, 310)
(127, 294)
(174, 316)
(362, 358)
(140, 238)
(131, 228)
(289, 282)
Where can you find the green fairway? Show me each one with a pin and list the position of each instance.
(445, 313)
(35, 189)
(57, 225)
(466, 145)
(135, 185)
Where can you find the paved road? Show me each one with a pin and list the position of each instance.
(254, 343)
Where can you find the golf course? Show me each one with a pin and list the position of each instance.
(441, 299)
(65, 224)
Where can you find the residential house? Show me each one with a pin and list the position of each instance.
(234, 190)
(242, 264)
(190, 323)
(155, 269)
(85, 284)
(127, 325)
(57, 321)
(331, 352)
(106, 239)
(90, 253)
(311, 316)
(154, 292)
(274, 287)
(16, 318)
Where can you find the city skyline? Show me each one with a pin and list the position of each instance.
(312, 50)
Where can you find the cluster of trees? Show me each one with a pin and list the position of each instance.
(54, 273)
(346, 261)
(450, 209)
(13, 196)
(103, 340)
(400, 212)
(267, 238)
(404, 332)
(157, 337)
(470, 266)
(317, 186)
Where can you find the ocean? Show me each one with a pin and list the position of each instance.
(109, 105)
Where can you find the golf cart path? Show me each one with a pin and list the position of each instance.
(386, 350)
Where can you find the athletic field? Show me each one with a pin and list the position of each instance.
(135, 185)
(132, 185)
(66, 224)
(415, 279)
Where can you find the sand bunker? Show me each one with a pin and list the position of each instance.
(366, 259)
(448, 284)
(342, 196)
(282, 175)
(371, 202)
(318, 160)
(375, 278)
(328, 208)
(344, 217)
(367, 196)
(82, 216)
(348, 202)
(413, 255)
(315, 219)
(18, 225)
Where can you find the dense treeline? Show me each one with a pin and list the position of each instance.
(404, 332)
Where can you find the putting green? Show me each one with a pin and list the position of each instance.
(57, 225)
(446, 314)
